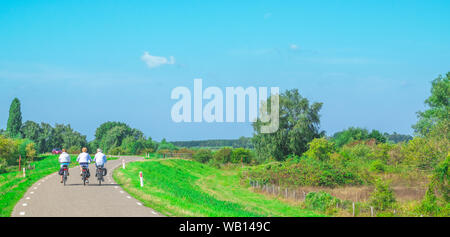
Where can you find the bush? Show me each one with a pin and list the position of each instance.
(9, 150)
(305, 171)
(202, 155)
(377, 166)
(382, 198)
(223, 155)
(359, 151)
(436, 200)
(31, 151)
(422, 153)
(241, 155)
(429, 205)
(321, 201)
(320, 149)
(23, 144)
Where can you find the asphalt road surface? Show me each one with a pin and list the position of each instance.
(50, 198)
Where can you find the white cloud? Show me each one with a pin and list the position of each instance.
(156, 61)
(294, 47)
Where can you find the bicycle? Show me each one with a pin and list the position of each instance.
(65, 174)
(99, 174)
(85, 174)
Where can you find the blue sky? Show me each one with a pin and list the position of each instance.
(80, 62)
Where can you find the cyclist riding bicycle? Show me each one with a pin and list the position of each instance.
(99, 159)
(64, 159)
(84, 159)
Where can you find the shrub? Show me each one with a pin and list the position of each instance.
(436, 200)
(429, 205)
(30, 150)
(23, 143)
(377, 166)
(382, 198)
(321, 201)
(9, 150)
(381, 151)
(420, 153)
(241, 155)
(320, 149)
(305, 171)
(202, 155)
(223, 155)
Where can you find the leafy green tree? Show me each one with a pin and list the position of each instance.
(112, 135)
(31, 130)
(438, 104)
(357, 134)
(113, 138)
(65, 137)
(298, 125)
(378, 136)
(15, 119)
(46, 138)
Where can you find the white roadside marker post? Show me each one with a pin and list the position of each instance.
(141, 178)
(123, 164)
(24, 172)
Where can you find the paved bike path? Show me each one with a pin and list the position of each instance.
(50, 198)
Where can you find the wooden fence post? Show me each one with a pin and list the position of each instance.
(353, 206)
(371, 211)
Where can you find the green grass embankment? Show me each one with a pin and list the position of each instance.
(176, 187)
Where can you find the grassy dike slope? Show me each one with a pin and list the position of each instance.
(187, 188)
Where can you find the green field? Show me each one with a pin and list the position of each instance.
(13, 185)
(176, 187)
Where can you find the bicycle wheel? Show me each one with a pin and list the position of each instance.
(65, 177)
(84, 178)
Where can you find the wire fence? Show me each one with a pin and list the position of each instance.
(354, 199)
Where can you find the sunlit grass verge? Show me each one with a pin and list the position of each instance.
(187, 188)
(13, 185)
